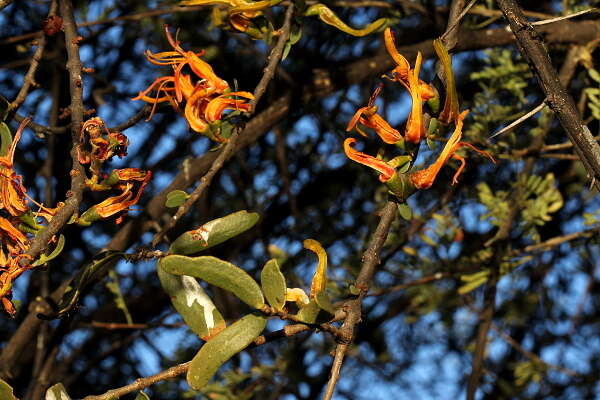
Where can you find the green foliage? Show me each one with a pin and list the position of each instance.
(220, 349)
(273, 284)
(473, 281)
(44, 259)
(214, 232)
(593, 94)
(529, 371)
(114, 287)
(219, 273)
(192, 303)
(142, 396)
(81, 280)
(6, 391)
(176, 198)
(57, 392)
(534, 196)
(505, 75)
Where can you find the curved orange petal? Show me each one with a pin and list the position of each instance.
(385, 170)
(403, 67)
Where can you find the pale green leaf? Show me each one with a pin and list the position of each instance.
(221, 348)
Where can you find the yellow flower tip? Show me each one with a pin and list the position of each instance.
(386, 171)
(320, 277)
(296, 295)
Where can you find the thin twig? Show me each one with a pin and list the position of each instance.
(520, 120)
(142, 383)
(229, 148)
(353, 307)
(534, 357)
(427, 279)
(563, 17)
(29, 78)
(454, 21)
(131, 17)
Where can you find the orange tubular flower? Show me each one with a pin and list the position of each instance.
(14, 236)
(367, 116)
(401, 72)
(215, 108)
(415, 129)
(386, 171)
(423, 179)
(12, 192)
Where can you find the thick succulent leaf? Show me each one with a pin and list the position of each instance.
(192, 303)
(221, 348)
(214, 232)
(273, 284)
(219, 273)
(324, 303)
(6, 391)
(57, 392)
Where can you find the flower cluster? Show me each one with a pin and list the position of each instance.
(201, 94)
(17, 220)
(394, 172)
(97, 146)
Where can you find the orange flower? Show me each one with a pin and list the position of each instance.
(12, 192)
(401, 71)
(423, 179)
(367, 116)
(15, 240)
(215, 108)
(386, 170)
(419, 90)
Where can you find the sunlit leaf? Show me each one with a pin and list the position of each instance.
(142, 396)
(176, 198)
(330, 18)
(6, 391)
(273, 284)
(214, 232)
(55, 253)
(57, 392)
(192, 303)
(221, 348)
(219, 273)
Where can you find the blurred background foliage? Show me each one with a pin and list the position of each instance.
(419, 328)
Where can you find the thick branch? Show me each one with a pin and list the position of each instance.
(532, 47)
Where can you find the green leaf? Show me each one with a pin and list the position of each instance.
(214, 232)
(278, 254)
(594, 74)
(473, 281)
(219, 273)
(192, 303)
(6, 391)
(322, 300)
(57, 392)
(220, 349)
(55, 253)
(142, 396)
(81, 280)
(405, 211)
(5, 138)
(273, 284)
(115, 288)
(176, 198)
(309, 312)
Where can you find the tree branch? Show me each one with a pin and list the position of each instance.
(353, 307)
(532, 47)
